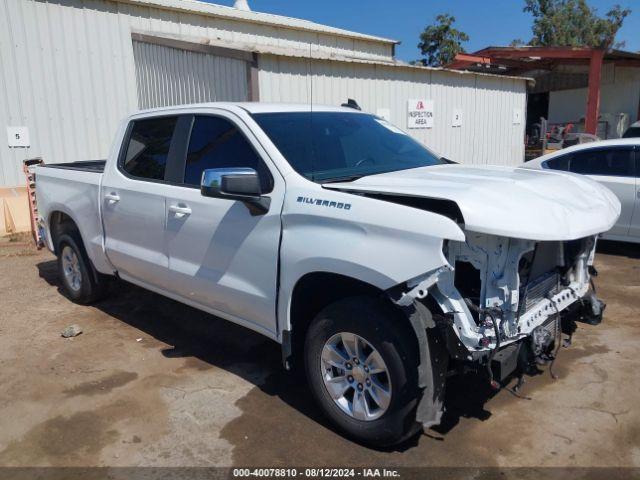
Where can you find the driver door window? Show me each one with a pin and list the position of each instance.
(217, 143)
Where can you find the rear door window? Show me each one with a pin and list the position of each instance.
(148, 147)
(612, 162)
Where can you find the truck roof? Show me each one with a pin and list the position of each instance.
(251, 107)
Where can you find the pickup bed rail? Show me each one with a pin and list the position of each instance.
(87, 165)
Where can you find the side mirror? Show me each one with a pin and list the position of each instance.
(242, 184)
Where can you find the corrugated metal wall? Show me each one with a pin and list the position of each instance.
(488, 134)
(68, 73)
(171, 76)
(67, 68)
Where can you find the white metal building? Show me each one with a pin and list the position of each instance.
(71, 69)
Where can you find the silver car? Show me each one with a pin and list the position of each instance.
(613, 163)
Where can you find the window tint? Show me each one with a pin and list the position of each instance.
(632, 132)
(611, 162)
(216, 143)
(558, 163)
(329, 146)
(148, 147)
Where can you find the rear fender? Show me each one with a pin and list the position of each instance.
(91, 237)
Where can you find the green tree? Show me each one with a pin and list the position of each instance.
(439, 43)
(573, 23)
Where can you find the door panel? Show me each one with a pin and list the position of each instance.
(135, 230)
(634, 227)
(223, 257)
(625, 189)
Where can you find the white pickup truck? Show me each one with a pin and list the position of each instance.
(378, 265)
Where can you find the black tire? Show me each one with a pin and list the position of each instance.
(93, 285)
(381, 326)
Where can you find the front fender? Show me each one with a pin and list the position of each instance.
(380, 243)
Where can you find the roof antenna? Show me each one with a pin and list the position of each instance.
(351, 103)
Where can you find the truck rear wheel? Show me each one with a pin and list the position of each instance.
(362, 367)
(80, 280)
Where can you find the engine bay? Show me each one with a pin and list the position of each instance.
(501, 289)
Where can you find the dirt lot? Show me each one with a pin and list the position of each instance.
(152, 382)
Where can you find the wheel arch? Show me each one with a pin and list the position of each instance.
(59, 223)
(310, 295)
(313, 292)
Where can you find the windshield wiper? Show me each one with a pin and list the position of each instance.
(350, 178)
(448, 160)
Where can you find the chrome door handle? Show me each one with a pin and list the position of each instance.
(112, 197)
(179, 211)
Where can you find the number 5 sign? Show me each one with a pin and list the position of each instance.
(18, 137)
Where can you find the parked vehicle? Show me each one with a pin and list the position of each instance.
(612, 163)
(377, 265)
(633, 131)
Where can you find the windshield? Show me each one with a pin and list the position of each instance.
(334, 146)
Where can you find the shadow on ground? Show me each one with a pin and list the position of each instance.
(192, 334)
(609, 247)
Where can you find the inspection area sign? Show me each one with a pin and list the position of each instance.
(420, 113)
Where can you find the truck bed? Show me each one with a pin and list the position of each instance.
(96, 166)
(74, 189)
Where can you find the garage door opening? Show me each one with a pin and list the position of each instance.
(167, 76)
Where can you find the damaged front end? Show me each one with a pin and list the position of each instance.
(500, 304)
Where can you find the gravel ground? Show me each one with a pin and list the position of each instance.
(152, 382)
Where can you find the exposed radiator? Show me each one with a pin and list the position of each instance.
(538, 289)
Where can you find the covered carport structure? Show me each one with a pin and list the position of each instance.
(521, 61)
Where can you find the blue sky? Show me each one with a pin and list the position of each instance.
(488, 22)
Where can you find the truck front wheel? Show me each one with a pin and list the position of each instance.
(362, 366)
(81, 282)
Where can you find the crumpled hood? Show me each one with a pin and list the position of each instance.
(506, 201)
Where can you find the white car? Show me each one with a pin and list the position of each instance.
(376, 264)
(612, 163)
